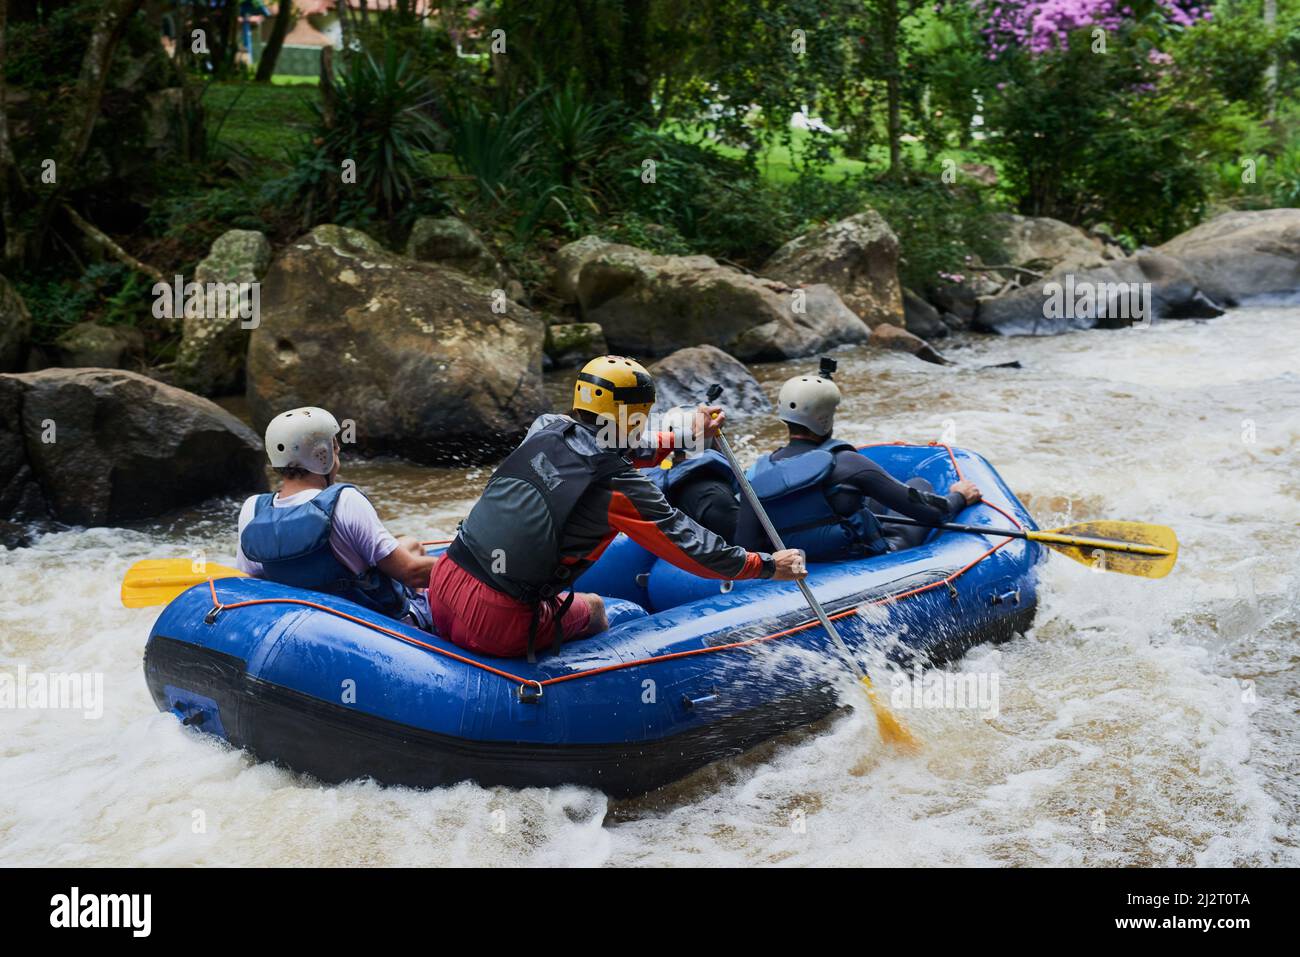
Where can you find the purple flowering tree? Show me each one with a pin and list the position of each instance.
(1039, 26)
(1092, 133)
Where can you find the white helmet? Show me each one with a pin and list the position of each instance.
(810, 401)
(303, 439)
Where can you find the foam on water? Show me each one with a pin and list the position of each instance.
(1137, 723)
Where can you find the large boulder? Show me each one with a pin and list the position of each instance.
(574, 343)
(103, 446)
(569, 260)
(1240, 255)
(1109, 297)
(650, 305)
(684, 377)
(857, 257)
(88, 345)
(426, 361)
(210, 360)
(453, 242)
(922, 319)
(1048, 245)
(898, 339)
(21, 498)
(15, 328)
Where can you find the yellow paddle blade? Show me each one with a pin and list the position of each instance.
(1130, 548)
(892, 730)
(156, 581)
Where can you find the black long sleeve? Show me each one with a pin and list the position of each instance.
(864, 476)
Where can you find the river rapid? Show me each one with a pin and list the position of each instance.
(1139, 722)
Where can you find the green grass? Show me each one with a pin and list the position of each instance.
(264, 120)
(778, 162)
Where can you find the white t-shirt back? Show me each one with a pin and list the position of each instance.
(358, 538)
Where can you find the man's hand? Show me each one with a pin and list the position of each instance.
(708, 423)
(408, 563)
(412, 545)
(967, 490)
(790, 565)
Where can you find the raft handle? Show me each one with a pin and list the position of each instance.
(1009, 596)
(211, 617)
(530, 692)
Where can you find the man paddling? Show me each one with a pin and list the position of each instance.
(821, 493)
(324, 535)
(505, 586)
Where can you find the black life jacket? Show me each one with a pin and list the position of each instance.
(511, 538)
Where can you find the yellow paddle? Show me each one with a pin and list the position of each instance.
(892, 730)
(156, 581)
(1130, 548)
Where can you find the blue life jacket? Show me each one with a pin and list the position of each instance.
(711, 463)
(791, 490)
(293, 547)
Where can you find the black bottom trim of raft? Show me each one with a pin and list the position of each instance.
(335, 743)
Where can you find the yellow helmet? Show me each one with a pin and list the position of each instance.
(609, 384)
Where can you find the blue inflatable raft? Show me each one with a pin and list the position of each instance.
(690, 670)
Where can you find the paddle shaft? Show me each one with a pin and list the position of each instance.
(1047, 538)
(752, 497)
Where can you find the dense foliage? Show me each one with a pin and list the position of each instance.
(715, 126)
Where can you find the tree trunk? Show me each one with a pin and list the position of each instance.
(266, 65)
(893, 89)
(635, 61)
(95, 64)
(1270, 73)
(12, 188)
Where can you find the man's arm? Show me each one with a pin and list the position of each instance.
(639, 510)
(357, 523)
(408, 563)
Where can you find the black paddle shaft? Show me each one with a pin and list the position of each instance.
(952, 527)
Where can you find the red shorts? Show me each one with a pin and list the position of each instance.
(476, 616)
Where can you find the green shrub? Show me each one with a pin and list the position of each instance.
(379, 120)
(939, 228)
(107, 293)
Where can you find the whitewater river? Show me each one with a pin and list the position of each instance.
(1140, 722)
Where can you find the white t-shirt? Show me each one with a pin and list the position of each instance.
(358, 538)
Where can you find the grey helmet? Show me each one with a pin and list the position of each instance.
(810, 401)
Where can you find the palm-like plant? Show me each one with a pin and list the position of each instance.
(379, 117)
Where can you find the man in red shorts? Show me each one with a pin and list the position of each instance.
(505, 586)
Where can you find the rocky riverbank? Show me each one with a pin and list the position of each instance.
(437, 355)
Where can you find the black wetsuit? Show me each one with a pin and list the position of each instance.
(709, 500)
(862, 480)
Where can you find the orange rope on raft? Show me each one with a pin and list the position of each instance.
(218, 606)
(619, 666)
